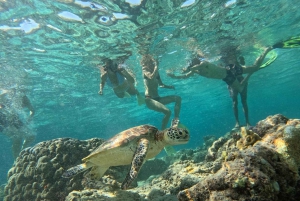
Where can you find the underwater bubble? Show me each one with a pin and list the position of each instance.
(54, 28)
(134, 3)
(120, 16)
(105, 20)
(187, 3)
(29, 26)
(231, 3)
(65, 15)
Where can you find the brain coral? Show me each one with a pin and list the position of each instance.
(36, 174)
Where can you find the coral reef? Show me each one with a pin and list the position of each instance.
(36, 174)
(266, 167)
(261, 163)
(2, 192)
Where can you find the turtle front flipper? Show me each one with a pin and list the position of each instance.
(96, 172)
(137, 162)
(75, 170)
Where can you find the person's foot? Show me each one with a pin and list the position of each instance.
(236, 127)
(248, 126)
(175, 123)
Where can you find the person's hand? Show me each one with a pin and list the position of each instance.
(170, 74)
(185, 70)
(100, 92)
(167, 86)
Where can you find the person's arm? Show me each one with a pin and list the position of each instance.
(185, 76)
(103, 78)
(258, 62)
(149, 74)
(26, 103)
(126, 74)
(162, 85)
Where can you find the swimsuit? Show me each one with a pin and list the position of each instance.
(117, 71)
(120, 77)
(156, 98)
(147, 78)
(146, 96)
(233, 72)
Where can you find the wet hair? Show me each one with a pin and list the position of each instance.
(147, 59)
(194, 61)
(242, 60)
(229, 53)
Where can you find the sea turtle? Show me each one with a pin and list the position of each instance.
(132, 146)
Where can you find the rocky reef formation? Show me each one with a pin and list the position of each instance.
(261, 163)
(36, 174)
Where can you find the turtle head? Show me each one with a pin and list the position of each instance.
(174, 136)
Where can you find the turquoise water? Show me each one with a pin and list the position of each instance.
(52, 54)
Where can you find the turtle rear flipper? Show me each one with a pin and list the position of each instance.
(137, 162)
(96, 172)
(75, 170)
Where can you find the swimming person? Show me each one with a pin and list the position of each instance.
(232, 74)
(13, 126)
(153, 101)
(119, 79)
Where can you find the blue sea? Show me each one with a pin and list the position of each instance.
(50, 51)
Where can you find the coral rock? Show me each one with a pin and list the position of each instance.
(267, 170)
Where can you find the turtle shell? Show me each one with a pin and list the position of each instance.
(125, 138)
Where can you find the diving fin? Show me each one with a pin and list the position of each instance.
(140, 99)
(293, 42)
(271, 59)
(127, 95)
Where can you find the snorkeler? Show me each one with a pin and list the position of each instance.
(232, 74)
(120, 79)
(153, 101)
(12, 125)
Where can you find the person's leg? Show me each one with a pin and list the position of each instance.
(166, 100)
(132, 90)
(16, 145)
(129, 76)
(28, 141)
(121, 89)
(233, 95)
(240, 85)
(258, 62)
(159, 107)
(169, 99)
(245, 105)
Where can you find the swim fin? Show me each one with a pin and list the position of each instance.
(127, 95)
(271, 59)
(293, 42)
(140, 99)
